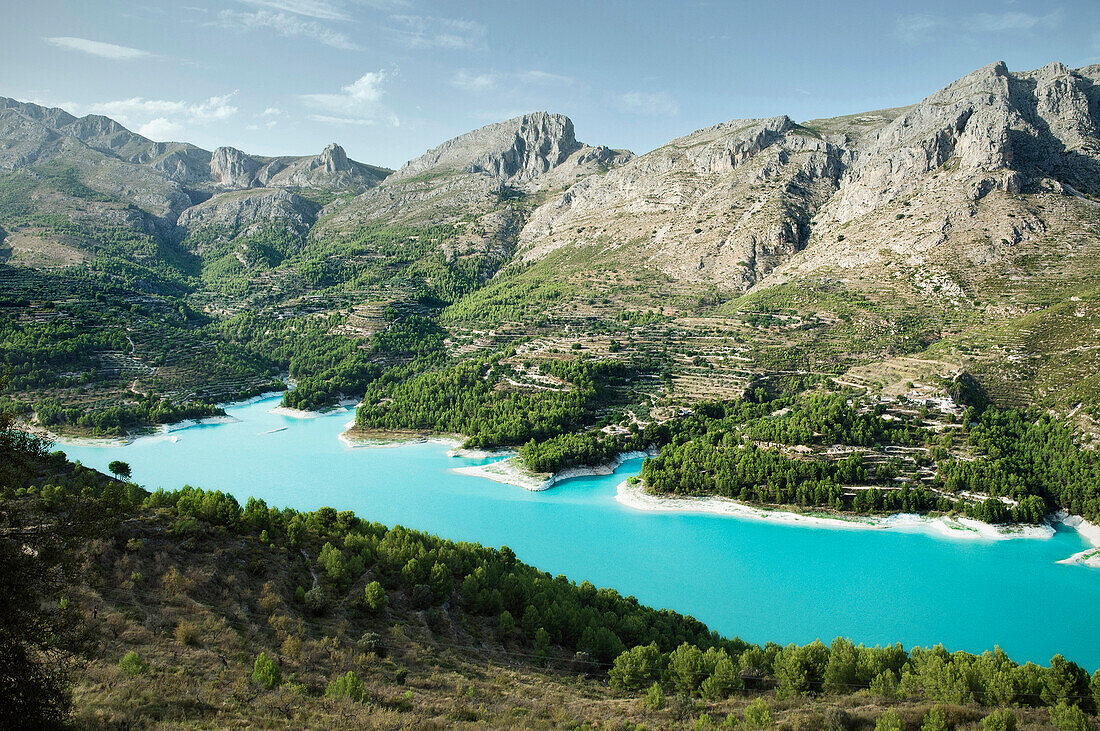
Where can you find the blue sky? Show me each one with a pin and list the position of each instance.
(388, 79)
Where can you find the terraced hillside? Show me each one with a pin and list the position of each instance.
(883, 248)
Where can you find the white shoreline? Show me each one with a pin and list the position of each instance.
(635, 497)
(394, 441)
(511, 471)
(342, 405)
(1090, 532)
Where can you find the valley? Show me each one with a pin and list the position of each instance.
(860, 356)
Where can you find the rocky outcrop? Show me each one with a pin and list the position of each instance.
(517, 150)
(694, 207)
(231, 168)
(243, 212)
(989, 130)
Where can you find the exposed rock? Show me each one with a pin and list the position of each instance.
(692, 206)
(516, 151)
(242, 212)
(231, 168)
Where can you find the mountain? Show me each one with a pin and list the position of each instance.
(160, 178)
(889, 247)
(477, 180)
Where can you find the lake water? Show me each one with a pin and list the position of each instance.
(758, 580)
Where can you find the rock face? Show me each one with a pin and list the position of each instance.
(730, 203)
(231, 168)
(243, 212)
(724, 203)
(734, 206)
(516, 151)
(161, 178)
(475, 174)
(995, 129)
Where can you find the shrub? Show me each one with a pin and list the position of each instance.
(374, 597)
(372, 642)
(422, 596)
(637, 668)
(347, 686)
(132, 664)
(934, 720)
(316, 601)
(186, 633)
(506, 624)
(1065, 717)
(1000, 720)
(888, 721)
(837, 719)
(757, 714)
(266, 673)
(655, 697)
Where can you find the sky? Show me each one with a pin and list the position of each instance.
(388, 79)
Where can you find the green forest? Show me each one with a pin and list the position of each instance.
(635, 649)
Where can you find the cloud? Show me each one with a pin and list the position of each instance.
(285, 24)
(310, 8)
(424, 31)
(357, 103)
(97, 48)
(360, 95)
(272, 112)
(328, 119)
(474, 82)
(917, 27)
(487, 81)
(543, 77)
(1014, 20)
(160, 129)
(160, 119)
(650, 104)
(921, 27)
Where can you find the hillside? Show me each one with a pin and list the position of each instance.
(162, 610)
(893, 253)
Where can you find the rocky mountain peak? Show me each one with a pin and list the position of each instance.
(991, 129)
(334, 159)
(232, 168)
(517, 150)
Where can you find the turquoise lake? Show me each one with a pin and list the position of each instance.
(758, 580)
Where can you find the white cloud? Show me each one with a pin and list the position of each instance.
(651, 104)
(329, 119)
(310, 8)
(922, 27)
(543, 77)
(285, 24)
(1014, 20)
(487, 81)
(359, 98)
(272, 112)
(474, 82)
(917, 27)
(160, 129)
(160, 119)
(97, 48)
(424, 31)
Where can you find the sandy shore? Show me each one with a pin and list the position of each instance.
(344, 405)
(634, 496)
(354, 437)
(511, 470)
(1091, 533)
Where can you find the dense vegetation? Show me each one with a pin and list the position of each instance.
(366, 572)
(1031, 459)
(474, 398)
(990, 679)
